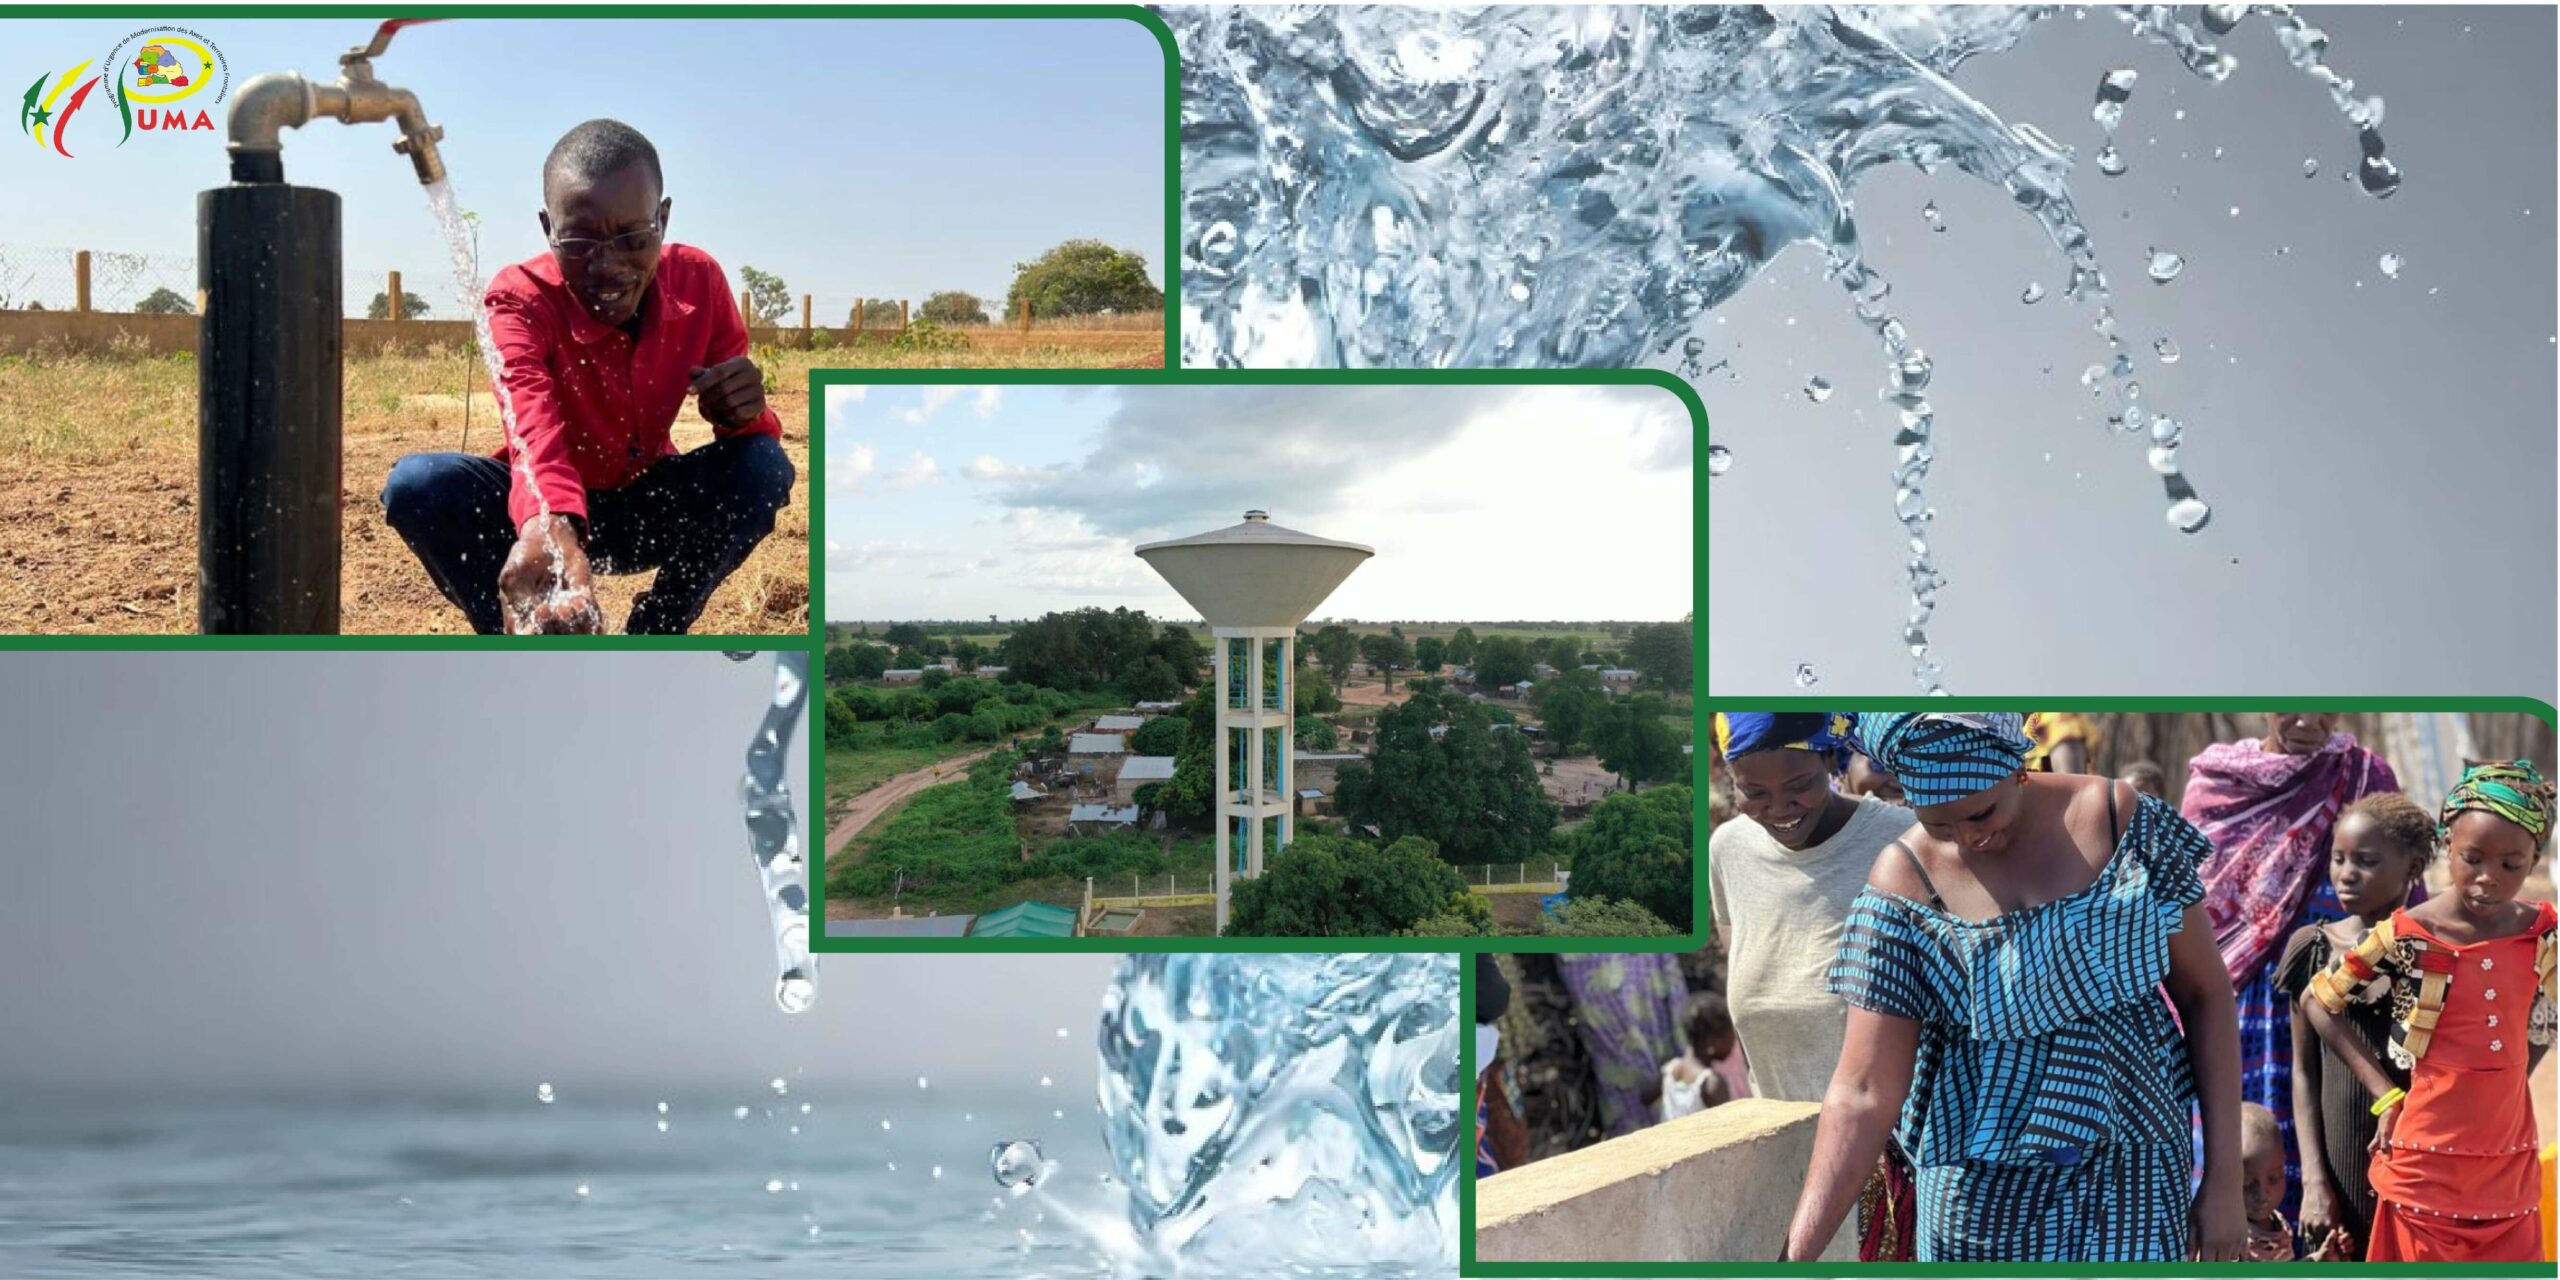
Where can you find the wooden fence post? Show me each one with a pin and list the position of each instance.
(80, 279)
(394, 292)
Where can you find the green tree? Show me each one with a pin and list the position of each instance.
(1440, 772)
(1080, 277)
(1430, 653)
(411, 306)
(1662, 652)
(1502, 660)
(1335, 649)
(1582, 917)
(165, 301)
(951, 306)
(1569, 703)
(1339, 887)
(1161, 736)
(766, 292)
(1385, 653)
(1462, 646)
(1637, 848)
(1633, 742)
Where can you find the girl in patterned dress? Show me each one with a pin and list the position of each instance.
(2468, 977)
(2004, 971)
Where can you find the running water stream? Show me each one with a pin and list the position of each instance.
(1387, 186)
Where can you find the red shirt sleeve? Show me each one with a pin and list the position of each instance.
(524, 333)
(727, 341)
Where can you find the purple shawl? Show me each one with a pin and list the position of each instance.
(2269, 816)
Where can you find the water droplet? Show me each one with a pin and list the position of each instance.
(2033, 294)
(1817, 389)
(1806, 677)
(2166, 350)
(2390, 264)
(2189, 514)
(2111, 162)
(582, 1191)
(772, 1186)
(542, 1092)
(1719, 460)
(1016, 1164)
(2165, 266)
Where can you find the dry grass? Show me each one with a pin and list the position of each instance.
(98, 484)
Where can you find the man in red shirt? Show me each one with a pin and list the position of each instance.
(601, 341)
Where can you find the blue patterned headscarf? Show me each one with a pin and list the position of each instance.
(1940, 756)
(1824, 733)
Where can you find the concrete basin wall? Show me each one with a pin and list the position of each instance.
(1718, 1186)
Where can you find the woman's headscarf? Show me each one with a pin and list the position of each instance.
(2269, 816)
(1940, 756)
(2512, 789)
(1824, 733)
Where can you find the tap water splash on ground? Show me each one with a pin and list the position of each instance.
(1285, 1111)
(1403, 187)
(466, 275)
(773, 833)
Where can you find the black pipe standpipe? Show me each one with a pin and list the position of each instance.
(269, 362)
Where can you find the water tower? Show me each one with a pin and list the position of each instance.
(1253, 583)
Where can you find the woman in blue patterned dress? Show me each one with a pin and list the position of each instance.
(2004, 971)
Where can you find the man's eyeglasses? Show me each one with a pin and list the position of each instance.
(624, 245)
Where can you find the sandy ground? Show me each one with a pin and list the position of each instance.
(868, 807)
(104, 539)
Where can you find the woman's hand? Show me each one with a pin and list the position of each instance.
(2219, 1230)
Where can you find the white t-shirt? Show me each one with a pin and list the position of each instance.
(1780, 913)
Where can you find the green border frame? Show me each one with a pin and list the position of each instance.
(1469, 1266)
(812, 639)
(821, 379)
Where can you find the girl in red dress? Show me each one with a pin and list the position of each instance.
(2469, 978)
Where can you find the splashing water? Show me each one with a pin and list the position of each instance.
(457, 243)
(1402, 187)
(773, 836)
(1275, 1111)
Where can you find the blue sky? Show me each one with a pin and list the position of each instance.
(1482, 502)
(870, 157)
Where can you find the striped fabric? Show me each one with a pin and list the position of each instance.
(2051, 1098)
(1942, 756)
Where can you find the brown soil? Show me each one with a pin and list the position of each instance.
(102, 538)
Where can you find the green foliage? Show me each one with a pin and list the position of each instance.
(165, 301)
(1582, 917)
(1502, 660)
(1662, 652)
(1315, 734)
(1638, 848)
(1162, 736)
(1430, 653)
(1570, 704)
(952, 306)
(1467, 915)
(1470, 791)
(1633, 741)
(411, 306)
(1338, 887)
(1335, 649)
(1081, 277)
(766, 292)
(1462, 646)
(949, 840)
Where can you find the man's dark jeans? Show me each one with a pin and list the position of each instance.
(692, 517)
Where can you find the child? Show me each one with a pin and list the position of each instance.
(601, 340)
(2378, 850)
(1709, 1074)
(2262, 1184)
(2468, 976)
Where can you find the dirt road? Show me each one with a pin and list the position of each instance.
(868, 806)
